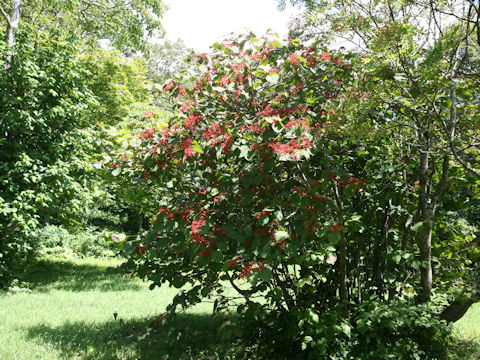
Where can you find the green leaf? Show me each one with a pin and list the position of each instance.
(232, 234)
(150, 236)
(162, 242)
(314, 317)
(264, 250)
(217, 256)
(222, 244)
(205, 291)
(281, 235)
(117, 171)
(334, 237)
(346, 329)
(291, 248)
(245, 152)
(273, 78)
(277, 44)
(277, 127)
(135, 142)
(178, 281)
(278, 215)
(196, 146)
(265, 274)
(264, 220)
(418, 226)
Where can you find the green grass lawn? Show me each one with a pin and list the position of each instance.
(66, 312)
(467, 330)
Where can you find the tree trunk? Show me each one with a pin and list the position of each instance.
(459, 307)
(426, 273)
(342, 267)
(12, 24)
(341, 249)
(425, 237)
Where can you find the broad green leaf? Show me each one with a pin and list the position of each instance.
(418, 226)
(135, 142)
(281, 235)
(178, 281)
(334, 237)
(265, 274)
(196, 146)
(217, 256)
(273, 78)
(116, 171)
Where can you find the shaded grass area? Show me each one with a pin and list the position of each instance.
(191, 336)
(77, 275)
(66, 312)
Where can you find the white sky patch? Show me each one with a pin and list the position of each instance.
(200, 23)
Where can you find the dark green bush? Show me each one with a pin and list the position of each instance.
(56, 240)
(400, 330)
(373, 330)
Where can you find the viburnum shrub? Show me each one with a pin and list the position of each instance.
(263, 192)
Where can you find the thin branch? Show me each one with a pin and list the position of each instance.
(5, 15)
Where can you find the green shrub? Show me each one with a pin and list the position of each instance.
(56, 240)
(400, 330)
(373, 330)
(262, 185)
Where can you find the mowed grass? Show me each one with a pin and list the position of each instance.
(66, 312)
(467, 331)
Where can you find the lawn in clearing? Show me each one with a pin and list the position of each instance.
(66, 312)
(467, 329)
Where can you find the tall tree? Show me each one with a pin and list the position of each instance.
(13, 20)
(127, 24)
(419, 60)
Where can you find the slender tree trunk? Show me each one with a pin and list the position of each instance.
(342, 267)
(428, 199)
(12, 24)
(406, 243)
(425, 237)
(341, 249)
(426, 272)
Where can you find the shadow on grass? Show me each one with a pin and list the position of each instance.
(190, 336)
(49, 275)
(465, 349)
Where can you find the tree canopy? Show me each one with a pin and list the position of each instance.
(127, 24)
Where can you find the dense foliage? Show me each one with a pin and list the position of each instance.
(126, 25)
(60, 242)
(44, 145)
(57, 98)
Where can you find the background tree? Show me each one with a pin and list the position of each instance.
(126, 24)
(120, 85)
(12, 20)
(56, 101)
(45, 142)
(165, 60)
(418, 58)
